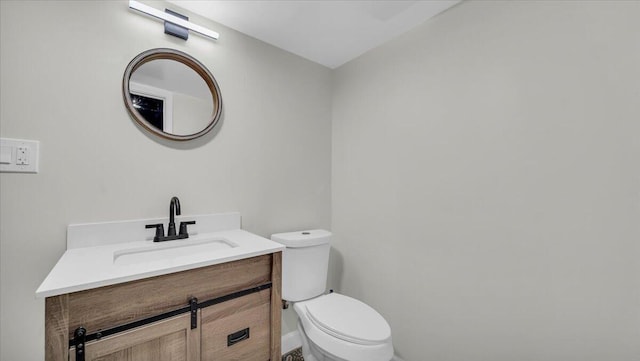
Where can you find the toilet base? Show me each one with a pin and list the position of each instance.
(295, 355)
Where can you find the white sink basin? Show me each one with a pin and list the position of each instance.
(110, 253)
(170, 250)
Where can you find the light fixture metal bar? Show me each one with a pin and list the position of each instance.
(172, 19)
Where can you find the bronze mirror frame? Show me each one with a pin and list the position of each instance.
(191, 62)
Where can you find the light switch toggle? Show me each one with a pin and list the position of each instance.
(6, 155)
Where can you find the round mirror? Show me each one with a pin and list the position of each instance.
(171, 94)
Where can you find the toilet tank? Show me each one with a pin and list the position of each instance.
(305, 262)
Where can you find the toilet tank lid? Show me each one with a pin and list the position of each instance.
(300, 239)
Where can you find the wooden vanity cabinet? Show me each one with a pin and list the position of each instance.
(239, 325)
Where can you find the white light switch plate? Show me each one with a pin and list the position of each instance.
(19, 156)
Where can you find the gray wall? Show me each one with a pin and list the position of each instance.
(61, 67)
(486, 178)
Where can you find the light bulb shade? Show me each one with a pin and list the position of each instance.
(135, 5)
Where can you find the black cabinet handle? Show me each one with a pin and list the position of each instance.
(236, 337)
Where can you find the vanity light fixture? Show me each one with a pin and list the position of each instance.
(167, 17)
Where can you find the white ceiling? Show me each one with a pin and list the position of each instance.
(329, 32)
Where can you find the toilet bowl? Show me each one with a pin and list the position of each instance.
(338, 327)
(333, 327)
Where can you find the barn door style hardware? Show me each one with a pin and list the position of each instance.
(80, 336)
(193, 308)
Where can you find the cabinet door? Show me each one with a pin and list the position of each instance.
(167, 340)
(238, 330)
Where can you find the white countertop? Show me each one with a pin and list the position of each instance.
(93, 266)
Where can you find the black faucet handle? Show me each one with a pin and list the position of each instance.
(159, 230)
(183, 227)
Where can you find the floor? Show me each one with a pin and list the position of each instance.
(295, 355)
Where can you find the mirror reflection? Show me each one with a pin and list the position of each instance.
(171, 94)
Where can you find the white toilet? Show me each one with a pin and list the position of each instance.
(333, 327)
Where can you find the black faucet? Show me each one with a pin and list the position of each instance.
(174, 209)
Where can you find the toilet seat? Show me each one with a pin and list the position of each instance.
(345, 328)
(348, 319)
